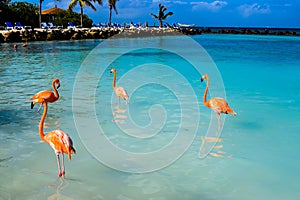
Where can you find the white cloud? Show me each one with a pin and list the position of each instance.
(161, 1)
(170, 2)
(135, 3)
(213, 6)
(247, 10)
(180, 2)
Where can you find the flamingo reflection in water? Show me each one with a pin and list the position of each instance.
(219, 106)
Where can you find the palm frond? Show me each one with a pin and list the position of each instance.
(155, 16)
(81, 3)
(115, 8)
(167, 15)
(161, 14)
(72, 4)
(98, 1)
(88, 3)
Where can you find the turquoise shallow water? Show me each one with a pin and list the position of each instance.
(259, 146)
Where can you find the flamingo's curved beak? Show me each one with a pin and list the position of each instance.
(58, 86)
(202, 79)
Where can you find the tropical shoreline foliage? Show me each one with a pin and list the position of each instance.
(23, 12)
(28, 14)
(83, 3)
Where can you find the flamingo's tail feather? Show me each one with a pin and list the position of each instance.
(71, 151)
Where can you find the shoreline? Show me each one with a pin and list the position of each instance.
(38, 34)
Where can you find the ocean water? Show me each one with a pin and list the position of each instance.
(149, 148)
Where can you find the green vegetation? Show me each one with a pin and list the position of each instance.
(23, 12)
(28, 14)
(64, 17)
(82, 3)
(161, 14)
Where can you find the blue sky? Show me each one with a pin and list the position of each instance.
(241, 13)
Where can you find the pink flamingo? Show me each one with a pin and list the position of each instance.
(46, 95)
(58, 140)
(120, 92)
(218, 105)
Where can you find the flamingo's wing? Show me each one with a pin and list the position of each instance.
(60, 142)
(122, 92)
(42, 95)
(219, 105)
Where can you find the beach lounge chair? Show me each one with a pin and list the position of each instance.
(131, 26)
(50, 25)
(95, 27)
(104, 25)
(117, 25)
(9, 26)
(19, 26)
(44, 25)
(71, 26)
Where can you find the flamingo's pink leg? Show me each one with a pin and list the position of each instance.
(39, 108)
(219, 122)
(63, 165)
(58, 165)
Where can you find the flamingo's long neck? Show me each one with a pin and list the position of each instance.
(205, 93)
(55, 90)
(41, 126)
(114, 81)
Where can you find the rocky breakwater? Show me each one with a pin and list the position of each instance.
(88, 33)
(56, 34)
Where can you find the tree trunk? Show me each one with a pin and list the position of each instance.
(81, 14)
(40, 14)
(110, 11)
(160, 23)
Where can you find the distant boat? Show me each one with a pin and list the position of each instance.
(186, 25)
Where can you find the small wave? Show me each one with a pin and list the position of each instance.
(4, 195)
(5, 159)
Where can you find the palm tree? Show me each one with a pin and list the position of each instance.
(161, 14)
(40, 13)
(112, 5)
(82, 3)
